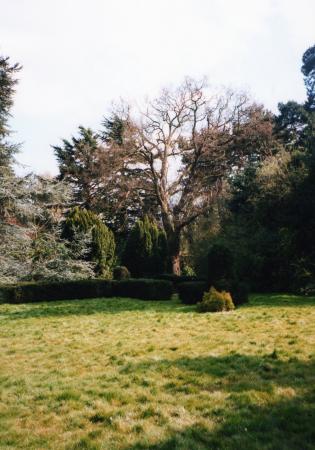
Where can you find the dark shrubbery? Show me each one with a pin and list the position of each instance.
(238, 290)
(70, 290)
(177, 279)
(67, 290)
(220, 264)
(222, 274)
(191, 292)
(121, 273)
(143, 288)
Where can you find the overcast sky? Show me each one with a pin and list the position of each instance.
(79, 55)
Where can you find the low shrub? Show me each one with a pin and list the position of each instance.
(215, 301)
(121, 273)
(191, 292)
(143, 288)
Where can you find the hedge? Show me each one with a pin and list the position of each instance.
(191, 292)
(177, 279)
(143, 288)
(70, 290)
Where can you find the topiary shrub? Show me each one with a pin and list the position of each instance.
(191, 292)
(121, 273)
(215, 301)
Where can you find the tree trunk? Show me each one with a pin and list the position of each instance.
(174, 251)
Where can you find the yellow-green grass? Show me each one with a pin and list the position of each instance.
(129, 374)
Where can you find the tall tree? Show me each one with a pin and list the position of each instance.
(186, 143)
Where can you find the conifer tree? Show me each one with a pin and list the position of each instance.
(102, 249)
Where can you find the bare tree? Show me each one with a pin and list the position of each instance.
(187, 142)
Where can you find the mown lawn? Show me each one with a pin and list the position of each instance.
(127, 374)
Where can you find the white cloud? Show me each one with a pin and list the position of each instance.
(79, 55)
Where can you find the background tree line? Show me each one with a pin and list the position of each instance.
(156, 189)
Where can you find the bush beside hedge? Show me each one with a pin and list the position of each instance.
(70, 290)
(191, 292)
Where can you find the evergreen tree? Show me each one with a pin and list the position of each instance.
(79, 165)
(102, 249)
(146, 249)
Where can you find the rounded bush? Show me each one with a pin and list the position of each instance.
(121, 273)
(215, 301)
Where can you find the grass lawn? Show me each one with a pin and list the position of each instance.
(128, 374)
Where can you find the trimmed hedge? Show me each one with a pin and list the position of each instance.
(70, 290)
(191, 292)
(177, 279)
(143, 288)
(65, 290)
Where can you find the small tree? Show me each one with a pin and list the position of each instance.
(102, 249)
(146, 248)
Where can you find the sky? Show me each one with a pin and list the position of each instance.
(79, 56)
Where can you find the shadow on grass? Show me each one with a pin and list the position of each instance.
(88, 307)
(233, 373)
(280, 300)
(284, 425)
(245, 423)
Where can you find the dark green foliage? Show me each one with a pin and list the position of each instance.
(238, 290)
(220, 263)
(102, 250)
(113, 130)
(271, 228)
(79, 164)
(293, 125)
(146, 249)
(121, 273)
(145, 289)
(68, 290)
(191, 292)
